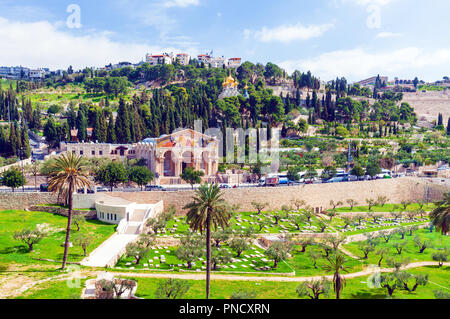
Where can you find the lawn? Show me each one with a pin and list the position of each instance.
(356, 288)
(369, 225)
(13, 251)
(410, 251)
(58, 289)
(246, 220)
(383, 209)
(244, 263)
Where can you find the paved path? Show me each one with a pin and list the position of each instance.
(107, 252)
(365, 272)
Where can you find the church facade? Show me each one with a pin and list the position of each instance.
(167, 156)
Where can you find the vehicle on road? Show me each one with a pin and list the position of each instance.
(154, 188)
(336, 180)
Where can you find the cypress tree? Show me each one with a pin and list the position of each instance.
(81, 126)
(123, 133)
(25, 141)
(111, 134)
(13, 139)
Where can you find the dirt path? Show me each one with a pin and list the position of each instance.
(365, 272)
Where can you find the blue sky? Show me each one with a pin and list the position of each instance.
(351, 38)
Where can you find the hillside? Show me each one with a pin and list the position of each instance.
(429, 104)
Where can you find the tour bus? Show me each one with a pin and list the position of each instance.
(275, 180)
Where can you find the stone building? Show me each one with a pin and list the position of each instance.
(170, 155)
(167, 156)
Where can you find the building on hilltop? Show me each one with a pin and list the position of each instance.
(159, 59)
(234, 63)
(183, 58)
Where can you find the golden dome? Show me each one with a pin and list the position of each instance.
(230, 82)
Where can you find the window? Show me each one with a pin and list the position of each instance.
(81, 152)
(93, 152)
(100, 153)
(115, 216)
(107, 216)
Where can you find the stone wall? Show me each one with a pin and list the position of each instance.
(25, 200)
(88, 214)
(317, 195)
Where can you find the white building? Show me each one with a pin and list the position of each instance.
(234, 62)
(15, 72)
(218, 62)
(205, 58)
(158, 59)
(37, 74)
(183, 58)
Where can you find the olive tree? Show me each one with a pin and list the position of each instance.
(313, 289)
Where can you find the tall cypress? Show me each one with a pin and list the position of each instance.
(123, 133)
(81, 126)
(111, 134)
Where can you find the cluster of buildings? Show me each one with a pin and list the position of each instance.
(184, 58)
(22, 73)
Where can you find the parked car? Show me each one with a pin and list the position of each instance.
(336, 180)
(225, 186)
(43, 188)
(102, 189)
(154, 188)
(351, 178)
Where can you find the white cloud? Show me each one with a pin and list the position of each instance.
(288, 33)
(369, 2)
(156, 14)
(42, 44)
(180, 3)
(359, 63)
(383, 35)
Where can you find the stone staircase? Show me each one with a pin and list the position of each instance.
(132, 229)
(110, 251)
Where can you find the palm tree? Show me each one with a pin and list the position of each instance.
(208, 208)
(336, 264)
(440, 216)
(66, 175)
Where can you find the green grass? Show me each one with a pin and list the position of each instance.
(171, 259)
(58, 289)
(243, 221)
(382, 209)
(387, 223)
(13, 251)
(356, 288)
(430, 88)
(410, 251)
(61, 206)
